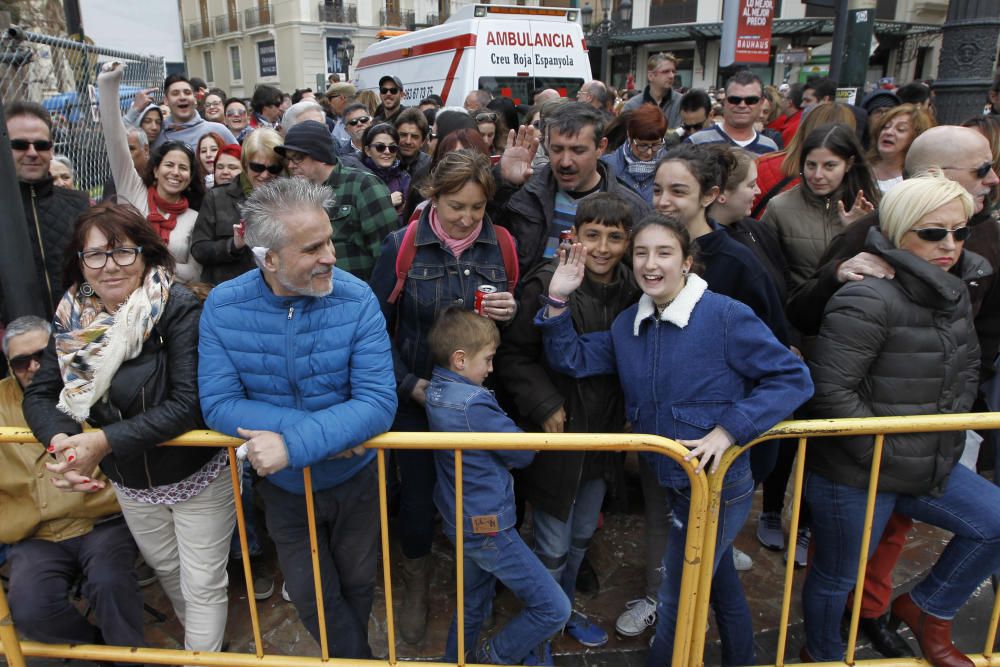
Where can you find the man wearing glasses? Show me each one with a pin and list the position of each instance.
(338, 96)
(356, 121)
(390, 90)
(741, 108)
(661, 70)
(49, 211)
(362, 214)
(56, 536)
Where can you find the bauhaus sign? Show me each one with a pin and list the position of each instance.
(746, 32)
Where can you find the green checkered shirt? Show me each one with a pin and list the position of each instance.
(362, 215)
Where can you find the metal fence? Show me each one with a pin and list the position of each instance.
(61, 75)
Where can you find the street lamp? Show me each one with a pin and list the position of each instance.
(625, 14)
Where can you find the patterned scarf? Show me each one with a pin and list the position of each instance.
(91, 343)
(641, 170)
(163, 224)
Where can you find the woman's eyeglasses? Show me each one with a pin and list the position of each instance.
(935, 234)
(258, 168)
(358, 120)
(23, 362)
(646, 147)
(39, 144)
(386, 148)
(486, 117)
(96, 259)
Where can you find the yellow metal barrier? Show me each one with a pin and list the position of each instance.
(802, 430)
(698, 522)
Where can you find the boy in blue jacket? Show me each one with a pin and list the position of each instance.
(463, 345)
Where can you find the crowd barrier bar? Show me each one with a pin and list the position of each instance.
(802, 430)
(15, 650)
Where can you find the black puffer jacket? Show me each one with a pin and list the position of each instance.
(593, 405)
(896, 347)
(153, 398)
(51, 214)
(212, 237)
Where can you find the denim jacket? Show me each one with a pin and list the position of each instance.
(456, 405)
(435, 282)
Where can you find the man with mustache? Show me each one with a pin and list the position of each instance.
(544, 204)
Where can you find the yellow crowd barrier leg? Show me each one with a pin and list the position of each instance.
(991, 634)
(706, 560)
(793, 534)
(459, 558)
(234, 472)
(689, 635)
(866, 537)
(8, 634)
(383, 509)
(324, 649)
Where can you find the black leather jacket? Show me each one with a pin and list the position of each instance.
(153, 398)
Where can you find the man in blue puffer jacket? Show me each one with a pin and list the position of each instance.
(294, 357)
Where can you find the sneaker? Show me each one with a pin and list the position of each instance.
(801, 548)
(742, 561)
(144, 574)
(484, 653)
(769, 531)
(580, 628)
(285, 596)
(540, 655)
(638, 615)
(263, 581)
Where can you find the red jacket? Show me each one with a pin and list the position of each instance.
(787, 125)
(768, 176)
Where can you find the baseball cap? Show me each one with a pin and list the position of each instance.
(394, 79)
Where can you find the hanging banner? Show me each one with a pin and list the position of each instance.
(746, 32)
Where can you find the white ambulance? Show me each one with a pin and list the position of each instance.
(507, 50)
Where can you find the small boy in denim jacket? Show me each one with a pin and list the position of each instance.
(463, 345)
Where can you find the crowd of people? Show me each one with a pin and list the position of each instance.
(308, 271)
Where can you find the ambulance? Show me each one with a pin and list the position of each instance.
(507, 50)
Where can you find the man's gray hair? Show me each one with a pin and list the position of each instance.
(484, 97)
(21, 326)
(598, 91)
(264, 209)
(139, 134)
(292, 113)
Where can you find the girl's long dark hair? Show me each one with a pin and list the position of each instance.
(843, 142)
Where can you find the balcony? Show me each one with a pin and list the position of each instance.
(338, 14)
(666, 12)
(432, 19)
(226, 23)
(256, 17)
(198, 30)
(394, 18)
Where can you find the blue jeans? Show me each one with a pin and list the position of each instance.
(732, 613)
(250, 519)
(506, 557)
(966, 507)
(561, 545)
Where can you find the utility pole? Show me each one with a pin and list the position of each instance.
(852, 45)
(968, 59)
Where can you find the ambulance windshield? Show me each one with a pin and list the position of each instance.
(520, 88)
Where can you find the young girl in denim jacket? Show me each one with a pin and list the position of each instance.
(697, 367)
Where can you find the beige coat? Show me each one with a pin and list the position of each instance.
(805, 225)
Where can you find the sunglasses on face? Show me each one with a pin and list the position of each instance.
(486, 117)
(385, 148)
(981, 171)
(23, 362)
(751, 100)
(213, 104)
(23, 144)
(258, 168)
(935, 234)
(359, 120)
(388, 91)
(235, 114)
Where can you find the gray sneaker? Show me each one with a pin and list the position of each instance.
(742, 561)
(638, 615)
(769, 531)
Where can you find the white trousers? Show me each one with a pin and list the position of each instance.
(187, 544)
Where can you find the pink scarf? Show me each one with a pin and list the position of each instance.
(457, 246)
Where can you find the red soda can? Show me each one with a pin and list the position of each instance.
(482, 291)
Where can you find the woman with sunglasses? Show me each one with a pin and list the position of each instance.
(170, 191)
(381, 147)
(634, 163)
(897, 347)
(217, 241)
(124, 362)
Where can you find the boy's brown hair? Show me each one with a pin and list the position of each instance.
(605, 208)
(459, 329)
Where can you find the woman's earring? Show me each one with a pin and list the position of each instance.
(86, 289)
(684, 272)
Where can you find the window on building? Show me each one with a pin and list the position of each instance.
(209, 72)
(234, 60)
(664, 12)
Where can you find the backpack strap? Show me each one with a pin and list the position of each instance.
(508, 250)
(776, 190)
(404, 259)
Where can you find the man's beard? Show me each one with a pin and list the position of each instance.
(305, 291)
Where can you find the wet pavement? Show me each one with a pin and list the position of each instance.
(616, 555)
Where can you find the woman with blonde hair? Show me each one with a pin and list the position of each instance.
(891, 136)
(904, 346)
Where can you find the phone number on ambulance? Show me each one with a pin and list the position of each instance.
(419, 92)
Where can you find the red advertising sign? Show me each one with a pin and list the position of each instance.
(753, 31)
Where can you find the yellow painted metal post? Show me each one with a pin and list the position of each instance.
(8, 634)
(991, 633)
(383, 509)
(705, 572)
(459, 558)
(324, 649)
(234, 472)
(866, 536)
(687, 632)
(793, 534)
